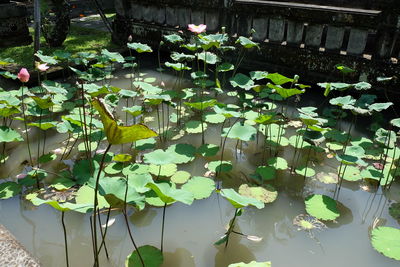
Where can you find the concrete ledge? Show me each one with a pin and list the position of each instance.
(12, 253)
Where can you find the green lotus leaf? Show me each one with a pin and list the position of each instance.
(278, 163)
(181, 153)
(195, 127)
(242, 81)
(173, 38)
(116, 186)
(220, 166)
(47, 158)
(385, 137)
(140, 48)
(9, 135)
(285, 93)
(258, 75)
(214, 118)
(67, 206)
(170, 194)
(208, 57)
(81, 171)
(372, 173)
(9, 189)
(208, 150)
(334, 146)
(342, 100)
(351, 173)
(7, 111)
(113, 56)
(127, 93)
(62, 183)
(305, 171)
(278, 79)
(243, 132)
(356, 151)
(266, 172)
(395, 122)
(122, 157)
(135, 169)
(165, 170)
(378, 107)
(179, 57)
(46, 59)
(386, 240)
(201, 105)
(85, 196)
(151, 256)
(322, 207)
(139, 181)
(144, 144)
(267, 194)
(362, 86)
(238, 201)
(158, 157)
(246, 42)
(43, 102)
(224, 67)
(177, 66)
(297, 141)
(180, 177)
(336, 135)
(114, 168)
(148, 88)
(251, 264)
(200, 187)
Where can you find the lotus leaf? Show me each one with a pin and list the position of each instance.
(322, 207)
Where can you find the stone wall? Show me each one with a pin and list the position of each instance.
(302, 38)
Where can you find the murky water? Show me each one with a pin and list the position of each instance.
(190, 231)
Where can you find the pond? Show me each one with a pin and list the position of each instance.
(268, 169)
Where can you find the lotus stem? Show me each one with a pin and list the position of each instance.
(163, 227)
(65, 238)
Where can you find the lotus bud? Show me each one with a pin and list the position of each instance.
(130, 38)
(23, 75)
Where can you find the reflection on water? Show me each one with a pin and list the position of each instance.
(190, 231)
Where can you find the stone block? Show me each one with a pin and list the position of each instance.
(357, 41)
(334, 38)
(314, 35)
(197, 17)
(276, 29)
(260, 25)
(212, 21)
(183, 17)
(294, 32)
(171, 16)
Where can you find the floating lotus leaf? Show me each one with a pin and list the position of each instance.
(151, 256)
(265, 194)
(322, 207)
(144, 144)
(220, 166)
(201, 105)
(334, 146)
(195, 127)
(239, 201)
(135, 169)
(327, 178)
(243, 132)
(120, 134)
(114, 168)
(140, 48)
(278, 163)
(372, 173)
(351, 173)
(170, 194)
(266, 172)
(208, 150)
(9, 189)
(181, 153)
(165, 170)
(251, 264)
(180, 177)
(201, 187)
(242, 81)
(122, 157)
(307, 222)
(158, 157)
(214, 118)
(297, 141)
(9, 135)
(305, 171)
(386, 240)
(336, 135)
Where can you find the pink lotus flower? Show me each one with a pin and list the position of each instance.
(197, 28)
(21, 176)
(378, 166)
(43, 67)
(23, 75)
(58, 151)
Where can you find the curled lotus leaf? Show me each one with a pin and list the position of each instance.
(265, 194)
(240, 201)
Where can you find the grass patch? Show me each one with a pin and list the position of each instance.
(79, 39)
